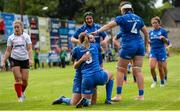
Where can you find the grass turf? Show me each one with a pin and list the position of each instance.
(45, 85)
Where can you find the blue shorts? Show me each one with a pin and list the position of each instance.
(130, 50)
(159, 54)
(77, 83)
(90, 82)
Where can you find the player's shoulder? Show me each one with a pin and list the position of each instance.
(25, 35)
(163, 29)
(11, 37)
(97, 25)
(76, 48)
(83, 27)
(151, 31)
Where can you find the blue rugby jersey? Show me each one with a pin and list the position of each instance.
(130, 26)
(88, 67)
(154, 37)
(90, 29)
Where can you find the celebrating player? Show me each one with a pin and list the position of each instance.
(158, 39)
(117, 43)
(19, 49)
(132, 47)
(86, 57)
(89, 27)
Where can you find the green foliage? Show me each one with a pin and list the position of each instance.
(175, 3)
(159, 11)
(32, 7)
(107, 9)
(104, 10)
(45, 85)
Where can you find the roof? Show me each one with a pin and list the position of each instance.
(175, 13)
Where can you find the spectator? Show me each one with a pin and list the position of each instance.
(36, 58)
(63, 55)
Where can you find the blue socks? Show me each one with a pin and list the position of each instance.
(109, 88)
(66, 100)
(162, 81)
(119, 90)
(141, 92)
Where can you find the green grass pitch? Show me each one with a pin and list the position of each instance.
(47, 84)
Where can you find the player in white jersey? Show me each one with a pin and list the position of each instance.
(19, 51)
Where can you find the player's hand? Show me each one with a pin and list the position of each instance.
(86, 57)
(94, 33)
(31, 62)
(163, 38)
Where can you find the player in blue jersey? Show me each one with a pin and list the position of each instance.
(76, 85)
(88, 27)
(158, 38)
(92, 73)
(132, 47)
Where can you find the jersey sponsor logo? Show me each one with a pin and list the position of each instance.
(19, 45)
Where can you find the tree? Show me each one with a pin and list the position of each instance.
(175, 3)
(1, 5)
(107, 9)
(32, 7)
(68, 8)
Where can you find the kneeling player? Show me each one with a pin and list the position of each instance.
(92, 73)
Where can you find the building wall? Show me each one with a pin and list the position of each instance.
(178, 24)
(174, 36)
(167, 20)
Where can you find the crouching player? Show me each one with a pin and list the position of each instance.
(76, 86)
(92, 73)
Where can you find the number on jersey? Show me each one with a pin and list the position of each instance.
(134, 30)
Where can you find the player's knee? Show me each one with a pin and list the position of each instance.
(136, 69)
(121, 69)
(18, 79)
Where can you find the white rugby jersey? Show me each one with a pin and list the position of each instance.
(19, 46)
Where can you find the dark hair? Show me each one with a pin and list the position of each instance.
(88, 14)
